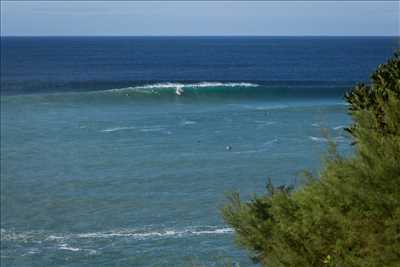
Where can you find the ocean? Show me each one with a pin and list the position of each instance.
(119, 151)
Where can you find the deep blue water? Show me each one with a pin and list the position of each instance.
(81, 63)
(113, 150)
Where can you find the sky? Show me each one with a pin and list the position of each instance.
(63, 18)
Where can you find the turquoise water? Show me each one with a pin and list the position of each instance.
(114, 150)
(128, 178)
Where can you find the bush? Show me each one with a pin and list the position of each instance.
(350, 214)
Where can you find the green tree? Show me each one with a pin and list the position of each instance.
(350, 214)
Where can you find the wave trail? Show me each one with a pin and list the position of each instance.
(61, 238)
(156, 234)
(117, 129)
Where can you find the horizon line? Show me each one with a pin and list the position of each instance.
(212, 35)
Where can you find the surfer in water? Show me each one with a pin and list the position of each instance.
(179, 90)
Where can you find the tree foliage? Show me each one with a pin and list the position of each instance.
(350, 214)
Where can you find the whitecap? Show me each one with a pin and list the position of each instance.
(338, 139)
(179, 87)
(62, 239)
(220, 84)
(7, 235)
(108, 130)
(339, 127)
(156, 234)
(33, 251)
(189, 122)
(216, 231)
(197, 85)
(318, 139)
(67, 247)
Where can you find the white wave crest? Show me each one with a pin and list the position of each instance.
(339, 127)
(196, 85)
(339, 139)
(188, 122)
(117, 129)
(67, 247)
(179, 87)
(62, 239)
(318, 139)
(156, 234)
(11, 236)
(154, 128)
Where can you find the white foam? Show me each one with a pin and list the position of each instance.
(66, 247)
(318, 139)
(338, 139)
(155, 234)
(62, 239)
(13, 236)
(108, 130)
(179, 87)
(155, 128)
(33, 251)
(189, 122)
(196, 85)
(216, 231)
(339, 127)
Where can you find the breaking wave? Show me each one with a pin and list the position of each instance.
(209, 91)
(42, 236)
(156, 234)
(180, 88)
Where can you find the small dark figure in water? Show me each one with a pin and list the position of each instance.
(228, 148)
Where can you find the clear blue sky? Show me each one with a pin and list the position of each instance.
(200, 18)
